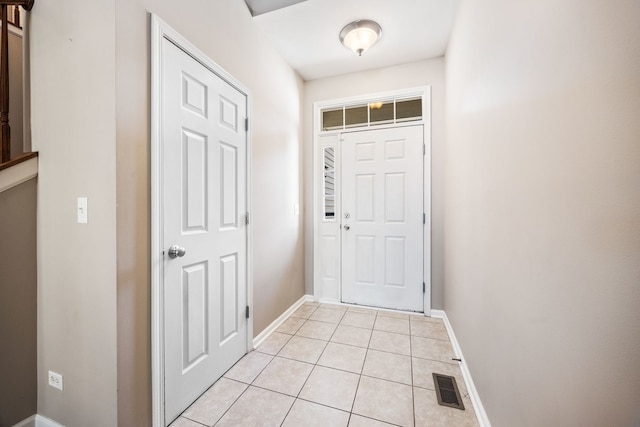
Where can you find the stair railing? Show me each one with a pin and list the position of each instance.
(5, 128)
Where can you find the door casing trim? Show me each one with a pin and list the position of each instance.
(425, 93)
(160, 30)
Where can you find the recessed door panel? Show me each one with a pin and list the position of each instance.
(229, 297)
(228, 185)
(194, 308)
(195, 192)
(329, 247)
(194, 95)
(394, 258)
(365, 151)
(228, 114)
(365, 259)
(365, 197)
(394, 198)
(394, 149)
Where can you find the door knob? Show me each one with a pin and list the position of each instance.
(176, 251)
(346, 227)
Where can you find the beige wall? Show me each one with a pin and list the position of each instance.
(73, 128)
(224, 31)
(73, 60)
(423, 73)
(542, 237)
(18, 388)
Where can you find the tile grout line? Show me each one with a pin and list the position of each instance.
(413, 396)
(369, 343)
(363, 375)
(187, 418)
(248, 386)
(306, 380)
(360, 375)
(355, 396)
(366, 329)
(316, 365)
(231, 406)
(388, 380)
(376, 419)
(327, 344)
(303, 384)
(371, 335)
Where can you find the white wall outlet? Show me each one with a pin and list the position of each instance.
(82, 210)
(55, 380)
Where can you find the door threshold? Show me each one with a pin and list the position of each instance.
(374, 308)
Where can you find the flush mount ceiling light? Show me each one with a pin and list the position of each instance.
(360, 35)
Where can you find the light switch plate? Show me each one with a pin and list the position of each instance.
(82, 210)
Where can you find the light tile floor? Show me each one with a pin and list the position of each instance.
(331, 365)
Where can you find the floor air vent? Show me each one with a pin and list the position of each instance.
(447, 391)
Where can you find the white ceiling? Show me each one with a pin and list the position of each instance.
(306, 33)
(258, 7)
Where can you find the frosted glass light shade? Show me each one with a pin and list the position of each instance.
(360, 35)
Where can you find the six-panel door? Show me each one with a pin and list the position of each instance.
(203, 205)
(382, 218)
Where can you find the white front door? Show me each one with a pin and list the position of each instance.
(382, 218)
(204, 196)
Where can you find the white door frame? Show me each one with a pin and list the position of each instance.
(160, 31)
(425, 93)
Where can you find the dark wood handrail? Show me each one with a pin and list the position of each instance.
(18, 159)
(5, 128)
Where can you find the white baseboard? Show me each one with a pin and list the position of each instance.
(46, 422)
(29, 422)
(276, 323)
(38, 421)
(481, 414)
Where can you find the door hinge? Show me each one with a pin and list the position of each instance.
(246, 124)
(246, 218)
(424, 149)
(424, 288)
(424, 218)
(247, 312)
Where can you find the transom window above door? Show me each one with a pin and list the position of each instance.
(373, 113)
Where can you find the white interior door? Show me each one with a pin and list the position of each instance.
(382, 218)
(204, 143)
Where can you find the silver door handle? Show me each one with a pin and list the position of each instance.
(176, 251)
(346, 227)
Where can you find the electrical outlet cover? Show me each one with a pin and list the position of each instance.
(55, 380)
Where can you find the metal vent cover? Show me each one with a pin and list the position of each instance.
(447, 391)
